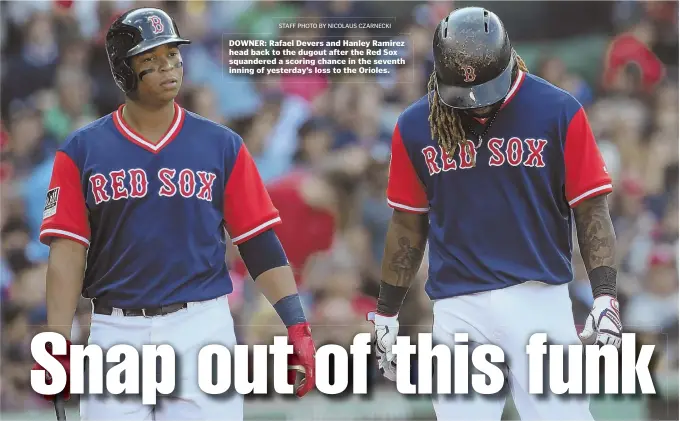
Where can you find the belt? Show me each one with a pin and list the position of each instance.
(145, 312)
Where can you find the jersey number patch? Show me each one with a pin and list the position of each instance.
(51, 203)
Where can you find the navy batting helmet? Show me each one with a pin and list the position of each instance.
(135, 32)
(473, 59)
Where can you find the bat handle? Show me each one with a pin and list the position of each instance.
(59, 408)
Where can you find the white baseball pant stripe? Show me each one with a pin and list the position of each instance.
(187, 331)
(508, 318)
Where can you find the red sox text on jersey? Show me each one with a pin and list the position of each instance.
(134, 183)
(514, 152)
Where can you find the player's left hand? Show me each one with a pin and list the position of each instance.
(303, 358)
(603, 323)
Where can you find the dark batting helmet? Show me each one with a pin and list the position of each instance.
(135, 32)
(473, 59)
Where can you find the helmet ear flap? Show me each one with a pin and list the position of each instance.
(119, 41)
(130, 76)
(125, 77)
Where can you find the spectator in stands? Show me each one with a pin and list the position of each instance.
(73, 107)
(35, 62)
(16, 237)
(654, 309)
(29, 144)
(208, 66)
(307, 200)
(555, 71)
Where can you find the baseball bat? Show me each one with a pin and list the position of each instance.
(59, 408)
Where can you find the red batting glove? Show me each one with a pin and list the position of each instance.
(303, 358)
(65, 361)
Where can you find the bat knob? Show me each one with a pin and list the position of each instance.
(299, 376)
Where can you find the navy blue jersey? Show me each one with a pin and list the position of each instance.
(153, 217)
(505, 219)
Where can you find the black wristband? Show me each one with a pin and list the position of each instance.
(603, 281)
(390, 299)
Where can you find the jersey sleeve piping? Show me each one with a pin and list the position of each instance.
(51, 232)
(597, 191)
(255, 231)
(405, 208)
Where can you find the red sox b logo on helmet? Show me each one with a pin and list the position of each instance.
(469, 72)
(156, 24)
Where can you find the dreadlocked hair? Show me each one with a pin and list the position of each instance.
(445, 124)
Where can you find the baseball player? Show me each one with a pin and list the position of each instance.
(487, 169)
(135, 218)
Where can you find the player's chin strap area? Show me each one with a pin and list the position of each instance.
(492, 110)
(491, 115)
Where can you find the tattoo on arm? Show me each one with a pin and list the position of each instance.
(404, 248)
(595, 233)
(405, 262)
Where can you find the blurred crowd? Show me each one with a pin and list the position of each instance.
(322, 146)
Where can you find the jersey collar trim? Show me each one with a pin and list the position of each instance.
(130, 134)
(513, 91)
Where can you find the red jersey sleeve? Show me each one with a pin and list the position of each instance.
(586, 173)
(405, 192)
(65, 214)
(248, 209)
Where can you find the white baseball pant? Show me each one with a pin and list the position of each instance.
(508, 318)
(187, 331)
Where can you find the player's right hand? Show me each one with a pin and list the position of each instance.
(386, 330)
(65, 361)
